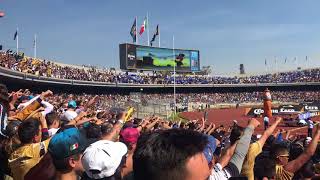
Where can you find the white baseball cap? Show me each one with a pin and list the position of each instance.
(102, 158)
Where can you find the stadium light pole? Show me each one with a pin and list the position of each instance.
(35, 46)
(174, 76)
(137, 31)
(148, 28)
(159, 35)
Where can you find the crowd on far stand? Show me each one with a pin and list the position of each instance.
(50, 69)
(67, 136)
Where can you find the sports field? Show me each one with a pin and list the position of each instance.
(226, 116)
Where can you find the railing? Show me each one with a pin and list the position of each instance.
(30, 77)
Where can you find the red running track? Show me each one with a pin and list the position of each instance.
(226, 116)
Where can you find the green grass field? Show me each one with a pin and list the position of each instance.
(169, 62)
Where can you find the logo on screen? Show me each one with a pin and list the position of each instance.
(131, 57)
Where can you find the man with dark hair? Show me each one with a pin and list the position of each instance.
(31, 150)
(53, 122)
(174, 154)
(285, 169)
(66, 149)
(264, 168)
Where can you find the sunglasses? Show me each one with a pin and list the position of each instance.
(286, 156)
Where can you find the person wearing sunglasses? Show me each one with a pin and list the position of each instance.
(285, 169)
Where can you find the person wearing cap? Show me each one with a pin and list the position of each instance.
(66, 148)
(255, 149)
(70, 113)
(31, 149)
(129, 136)
(174, 154)
(104, 160)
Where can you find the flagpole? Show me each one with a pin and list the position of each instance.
(148, 29)
(159, 34)
(137, 30)
(174, 76)
(265, 65)
(275, 60)
(17, 41)
(35, 46)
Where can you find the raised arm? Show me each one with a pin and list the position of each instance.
(269, 131)
(243, 145)
(296, 164)
(225, 158)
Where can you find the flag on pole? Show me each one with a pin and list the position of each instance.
(15, 35)
(143, 26)
(285, 60)
(265, 62)
(306, 58)
(133, 31)
(155, 35)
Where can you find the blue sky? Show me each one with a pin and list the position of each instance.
(227, 32)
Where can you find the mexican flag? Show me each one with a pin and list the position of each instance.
(143, 26)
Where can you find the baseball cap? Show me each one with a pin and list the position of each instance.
(210, 148)
(129, 135)
(72, 104)
(66, 143)
(24, 98)
(102, 158)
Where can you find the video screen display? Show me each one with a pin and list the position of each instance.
(152, 58)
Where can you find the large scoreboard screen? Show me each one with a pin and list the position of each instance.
(152, 58)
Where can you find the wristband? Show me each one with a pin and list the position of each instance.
(39, 100)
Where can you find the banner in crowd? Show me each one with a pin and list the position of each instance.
(308, 115)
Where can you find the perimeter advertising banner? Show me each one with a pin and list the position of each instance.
(152, 58)
(285, 109)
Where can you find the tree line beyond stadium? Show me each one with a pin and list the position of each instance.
(137, 57)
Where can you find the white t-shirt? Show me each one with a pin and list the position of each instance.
(52, 131)
(218, 173)
(266, 119)
(69, 115)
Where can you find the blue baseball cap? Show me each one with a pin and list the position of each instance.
(66, 143)
(72, 104)
(210, 148)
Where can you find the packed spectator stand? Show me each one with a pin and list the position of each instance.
(50, 69)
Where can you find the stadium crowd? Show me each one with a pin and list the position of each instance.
(50, 69)
(66, 136)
